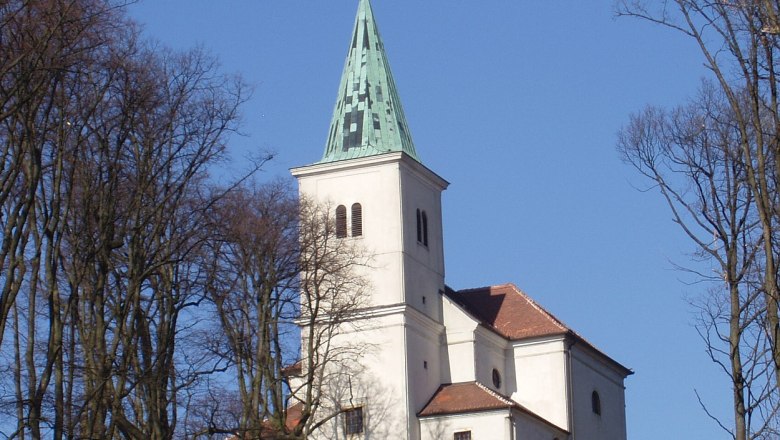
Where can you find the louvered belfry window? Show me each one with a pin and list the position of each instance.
(341, 221)
(357, 220)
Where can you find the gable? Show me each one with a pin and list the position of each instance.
(508, 311)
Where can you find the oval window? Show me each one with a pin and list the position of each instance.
(496, 378)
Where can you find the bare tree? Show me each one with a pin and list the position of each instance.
(252, 288)
(692, 155)
(278, 265)
(333, 295)
(104, 203)
(739, 41)
(739, 44)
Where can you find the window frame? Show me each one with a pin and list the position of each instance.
(462, 435)
(356, 222)
(496, 376)
(425, 228)
(354, 421)
(341, 221)
(595, 402)
(419, 226)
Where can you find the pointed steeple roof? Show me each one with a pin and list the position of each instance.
(368, 118)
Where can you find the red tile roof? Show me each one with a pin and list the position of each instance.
(508, 311)
(470, 397)
(511, 313)
(463, 398)
(294, 415)
(293, 370)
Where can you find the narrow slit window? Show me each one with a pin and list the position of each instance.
(357, 220)
(419, 227)
(424, 228)
(595, 403)
(341, 221)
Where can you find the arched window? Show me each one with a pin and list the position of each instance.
(595, 403)
(341, 221)
(357, 220)
(424, 228)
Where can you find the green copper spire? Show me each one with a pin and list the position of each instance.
(368, 118)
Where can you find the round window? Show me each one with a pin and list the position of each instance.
(496, 378)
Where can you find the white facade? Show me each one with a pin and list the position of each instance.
(421, 338)
(404, 322)
(483, 363)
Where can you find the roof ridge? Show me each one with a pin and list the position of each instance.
(471, 289)
(495, 394)
(565, 327)
(538, 307)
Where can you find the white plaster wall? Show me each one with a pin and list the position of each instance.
(589, 374)
(406, 333)
(540, 378)
(390, 188)
(489, 425)
(423, 339)
(528, 427)
(460, 328)
(490, 353)
(377, 380)
(423, 265)
(375, 187)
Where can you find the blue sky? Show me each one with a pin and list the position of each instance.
(516, 103)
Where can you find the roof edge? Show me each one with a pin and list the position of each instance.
(566, 331)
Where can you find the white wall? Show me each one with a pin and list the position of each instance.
(390, 188)
(540, 378)
(490, 352)
(374, 377)
(489, 425)
(405, 331)
(424, 364)
(423, 265)
(460, 328)
(375, 186)
(504, 424)
(528, 427)
(590, 372)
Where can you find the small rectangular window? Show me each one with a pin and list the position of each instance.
(463, 435)
(353, 420)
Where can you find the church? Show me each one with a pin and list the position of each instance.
(484, 363)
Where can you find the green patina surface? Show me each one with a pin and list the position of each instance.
(368, 118)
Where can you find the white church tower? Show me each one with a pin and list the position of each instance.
(383, 196)
(486, 363)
